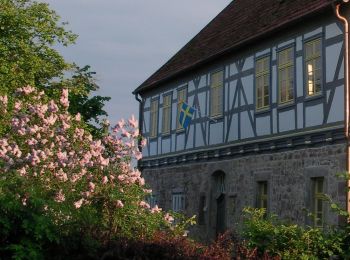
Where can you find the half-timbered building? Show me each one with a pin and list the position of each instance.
(268, 80)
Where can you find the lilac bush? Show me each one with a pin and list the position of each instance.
(48, 159)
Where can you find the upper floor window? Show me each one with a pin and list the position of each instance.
(181, 97)
(317, 201)
(216, 93)
(166, 123)
(286, 75)
(262, 82)
(154, 118)
(313, 64)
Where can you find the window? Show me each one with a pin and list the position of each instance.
(313, 65)
(216, 94)
(220, 183)
(262, 82)
(286, 75)
(166, 114)
(154, 118)
(181, 97)
(317, 201)
(262, 195)
(178, 201)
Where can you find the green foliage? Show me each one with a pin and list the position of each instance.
(23, 230)
(29, 31)
(268, 234)
(82, 85)
(63, 191)
(182, 223)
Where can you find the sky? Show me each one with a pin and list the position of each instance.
(125, 41)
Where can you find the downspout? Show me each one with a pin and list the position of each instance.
(140, 122)
(346, 96)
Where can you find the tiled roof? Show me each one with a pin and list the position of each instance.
(240, 22)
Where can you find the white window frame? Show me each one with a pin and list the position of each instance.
(263, 195)
(310, 84)
(178, 202)
(318, 189)
(262, 74)
(166, 117)
(181, 98)
(288, 83)
(216, 93)
(153, 128)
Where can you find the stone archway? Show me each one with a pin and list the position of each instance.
(219, 201)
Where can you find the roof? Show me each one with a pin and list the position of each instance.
(240, 22)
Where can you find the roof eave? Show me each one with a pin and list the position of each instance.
(142, 88)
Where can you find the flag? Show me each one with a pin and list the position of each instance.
(186, 115)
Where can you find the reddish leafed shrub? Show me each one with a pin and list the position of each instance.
(165, 246)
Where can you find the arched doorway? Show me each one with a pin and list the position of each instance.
(219, 199)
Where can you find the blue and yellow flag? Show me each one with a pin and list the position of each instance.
(186, 115)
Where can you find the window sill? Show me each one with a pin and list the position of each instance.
(166, 135)
(286, 105)
(313, 97)
(215, 119)
(263, 110)
(153, 138)
(180, 131)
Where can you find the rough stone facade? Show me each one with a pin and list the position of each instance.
(288, 174)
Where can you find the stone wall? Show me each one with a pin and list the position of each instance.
(288, 174)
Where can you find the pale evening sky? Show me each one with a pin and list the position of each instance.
(125, 41)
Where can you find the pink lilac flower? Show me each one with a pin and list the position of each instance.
(144, 204)
(119, 125)
(168, 218)
(78, 117)
(60, 196)
(104, 180)
(22, 172)
(78, 203)
(64, 98)
(91, 186)
(18, 106)
(133, 122)
(143, 142)
(155, 209)
(4, 100)
(119, 204)
(61, 175)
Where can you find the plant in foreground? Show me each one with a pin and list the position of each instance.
(59, 186)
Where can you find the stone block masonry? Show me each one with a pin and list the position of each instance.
(217, 191)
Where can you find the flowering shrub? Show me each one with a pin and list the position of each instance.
(56, 180)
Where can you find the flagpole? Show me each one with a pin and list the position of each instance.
(206, 116)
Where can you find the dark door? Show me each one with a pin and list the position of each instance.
(220, 215)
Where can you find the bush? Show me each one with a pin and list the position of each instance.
(168, 246)
(268, 234)
(60, 189)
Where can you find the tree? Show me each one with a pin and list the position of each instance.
(81, 85)
(29, 31)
